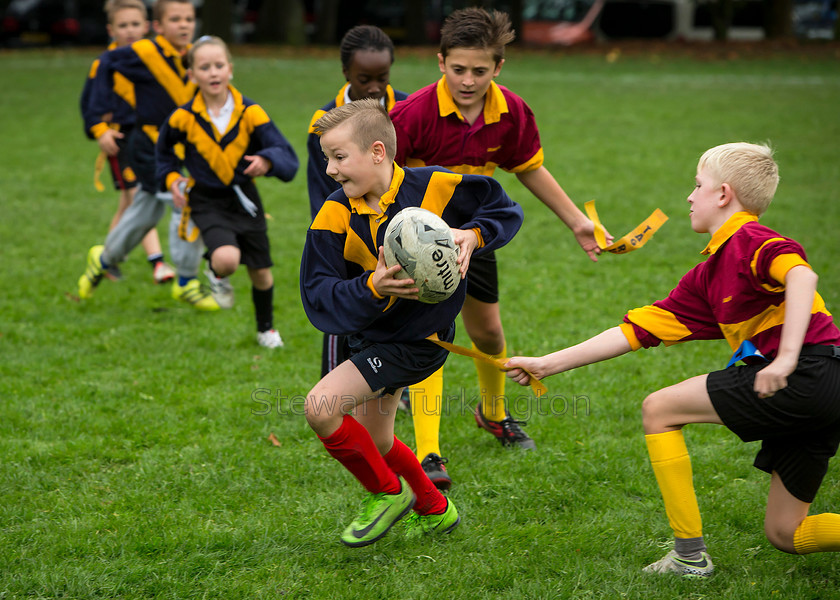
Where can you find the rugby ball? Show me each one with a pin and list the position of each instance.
(422, 244)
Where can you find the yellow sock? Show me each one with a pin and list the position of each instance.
(491, 384)
(672, 467)
(426, 407)
(818, 533)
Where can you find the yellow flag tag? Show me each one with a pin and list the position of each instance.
(98, 167)
(634, 240)
(184, 231)
(536, 384)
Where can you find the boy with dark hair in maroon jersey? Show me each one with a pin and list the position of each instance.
(468, 124)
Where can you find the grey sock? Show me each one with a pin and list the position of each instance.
(689, 548)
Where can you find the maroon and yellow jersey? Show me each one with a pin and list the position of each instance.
(736, 294)
(432, 131)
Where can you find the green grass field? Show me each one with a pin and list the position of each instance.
(134, 431)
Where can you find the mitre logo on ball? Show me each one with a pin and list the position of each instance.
(422, 244)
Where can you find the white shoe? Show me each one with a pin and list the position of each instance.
(673, 563)
(269, 339)
(163, 273)
(221, 288)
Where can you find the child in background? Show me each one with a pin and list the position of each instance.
(229, 140)
(346, 289)
(155, 68)
(127, 23)
(468, 124)
(757, 291)
(367, 54)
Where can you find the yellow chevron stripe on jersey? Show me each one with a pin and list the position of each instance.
(332, 217)
(335, 217)
(173, 82)
(125, 89)
(223, 162)
(205, 145)
(356, 251)
(439, 191)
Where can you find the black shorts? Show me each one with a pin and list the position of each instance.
(223, 221)
(390, 365)
(120, 165)
(483, 278)
(141, 153)
(799, 426)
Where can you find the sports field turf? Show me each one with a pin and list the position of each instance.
(135, 459)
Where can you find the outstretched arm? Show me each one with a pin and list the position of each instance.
(800, 287)
(605, 345)
(542, 184)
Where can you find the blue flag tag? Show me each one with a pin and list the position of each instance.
(748, 353)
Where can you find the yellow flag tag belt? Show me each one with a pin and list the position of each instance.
(631, 241)
(184, 231)
(98, 167)
(536, 384)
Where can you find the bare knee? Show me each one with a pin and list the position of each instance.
(489, 340)
(261, 278)
(225, 260)
(780, 535)
(323, 414)
(652, 412)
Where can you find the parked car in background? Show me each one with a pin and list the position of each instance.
(53, 22)
(814, 19)
(559, 22)
(565, 22)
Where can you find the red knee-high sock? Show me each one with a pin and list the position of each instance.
(402, 461)
(352, 446)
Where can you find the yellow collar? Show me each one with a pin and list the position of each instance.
(360, 206)
(494, 102)
(200, 106)
(728, 229)
(342, 93)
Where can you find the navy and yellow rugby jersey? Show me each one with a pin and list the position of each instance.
(342, 244)
(160, 82)
(123, 100)
(736, 294)
(215, 158)
(319, 183)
